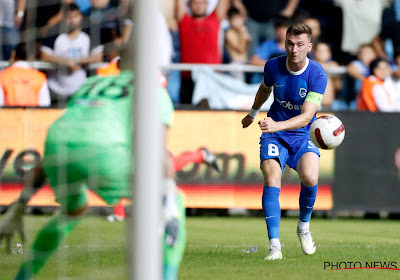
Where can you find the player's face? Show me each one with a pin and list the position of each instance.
(198, 7)
(297, 47)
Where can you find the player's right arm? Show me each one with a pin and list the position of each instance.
(262, 95)
(308, 111)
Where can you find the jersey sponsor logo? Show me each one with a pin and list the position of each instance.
(288, 105)
(302, 92)
(276, 85)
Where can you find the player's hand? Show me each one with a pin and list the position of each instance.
(268, 125)
(247, 120)
(12, 222)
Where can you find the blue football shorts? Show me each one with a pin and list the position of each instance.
(286, 149)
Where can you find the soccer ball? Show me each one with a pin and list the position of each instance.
(327, 132)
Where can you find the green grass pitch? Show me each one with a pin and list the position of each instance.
(97, 248)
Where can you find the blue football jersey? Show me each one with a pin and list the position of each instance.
(291, 89)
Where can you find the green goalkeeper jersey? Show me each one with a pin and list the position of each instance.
(100, 112)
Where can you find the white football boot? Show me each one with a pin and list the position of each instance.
(306, 241)
(275, 253)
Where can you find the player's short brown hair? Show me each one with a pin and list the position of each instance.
(299, 28)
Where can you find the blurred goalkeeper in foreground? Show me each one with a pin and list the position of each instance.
(90, 147)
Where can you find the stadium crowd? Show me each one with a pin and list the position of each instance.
(361, 36)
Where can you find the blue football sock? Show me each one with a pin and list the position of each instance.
(272, 210)
(306, 201)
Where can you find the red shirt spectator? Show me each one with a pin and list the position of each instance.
(199, 38)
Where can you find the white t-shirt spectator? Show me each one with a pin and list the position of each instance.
(362, 21)
(63, 81)
(7, 9)
(164, 40)
(393, 86)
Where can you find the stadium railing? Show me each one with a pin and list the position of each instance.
(40, 65)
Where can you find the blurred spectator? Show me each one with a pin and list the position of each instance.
(396, 59)
(125, 17)
(110, 23)
(199, 38)
(329, 17)
(165, 53)
(168, 8)
(315, 26)
(323, 56)
(391, 31)
(374, 95)
(313, 23)
(70, 51)
(237, 40)
(359, 69)
(274, 47)
(83, 5)
(11, 15)
(393, 82)
(212, 4)
(41, 15)
(362, 20)
(21, 85)
(260, 21)
(270, 48)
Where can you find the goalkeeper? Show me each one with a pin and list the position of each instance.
(90, 147)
